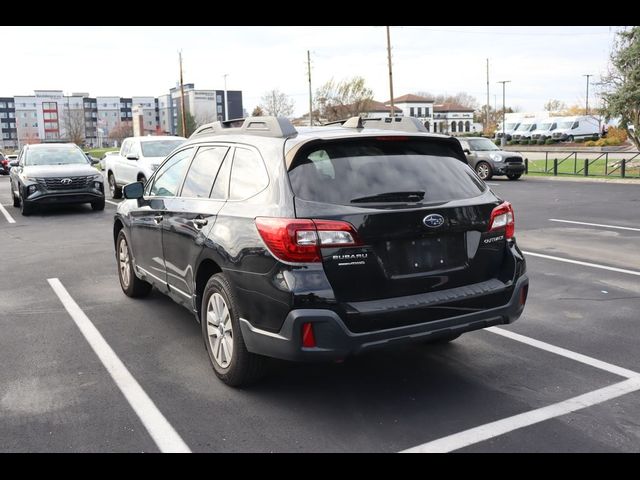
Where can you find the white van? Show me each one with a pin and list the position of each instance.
(546, 128)
(570, 128)
(523, 132)
(510, 127)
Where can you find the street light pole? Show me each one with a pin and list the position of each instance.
(393, 111)
(226, 104)
(504, 138)
(587, 103)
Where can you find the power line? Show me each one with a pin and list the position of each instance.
(492, 32)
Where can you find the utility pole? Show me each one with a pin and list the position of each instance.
(184, 114)
(393, 111)
(310, 97)
(504, 137)
(226, 103)
(486, 128)
(587, 104)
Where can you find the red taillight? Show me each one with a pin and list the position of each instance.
(502, 217)
(308, 339)
(300, 239)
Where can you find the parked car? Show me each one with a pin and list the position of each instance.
(4, 165)
(320, 243)
(137, 160)
(54, 173)
(570, 128)
(488, 160)
(107, 154)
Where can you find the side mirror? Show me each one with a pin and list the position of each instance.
(14, 163)
(132, 156)
(94, 161)
(467, 151)
(133, 190)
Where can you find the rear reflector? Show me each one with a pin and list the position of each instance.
(523, 294)
(308, 339)
(502, 217)
(299, 240)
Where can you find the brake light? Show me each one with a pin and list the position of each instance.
(502, 217)
(299, 239)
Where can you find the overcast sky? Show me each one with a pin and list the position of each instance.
(541, 62)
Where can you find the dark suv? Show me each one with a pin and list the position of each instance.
(320, 243)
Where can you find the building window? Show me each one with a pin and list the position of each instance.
(419, 111)
(10, 104)
(219, 98)
(219, 108)
(411, 112)
(3, 104)
(460, 126)
(453, 127)
(467, 126)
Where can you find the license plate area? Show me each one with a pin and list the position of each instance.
(422, 255)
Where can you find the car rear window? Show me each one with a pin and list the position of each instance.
(341, 171)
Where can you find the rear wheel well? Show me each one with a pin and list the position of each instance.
(206, 270)
(117, 226)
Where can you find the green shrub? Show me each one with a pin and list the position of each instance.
(539, 141)
(525, 142)
(497, 141)
(549, 141)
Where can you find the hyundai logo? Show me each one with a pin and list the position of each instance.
(65, 181)
(433, 221)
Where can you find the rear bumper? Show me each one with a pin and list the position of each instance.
(335, 341)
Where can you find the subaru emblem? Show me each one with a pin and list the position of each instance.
(433, 221)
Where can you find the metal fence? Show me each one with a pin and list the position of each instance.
(571, 162)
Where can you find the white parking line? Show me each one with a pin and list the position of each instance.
(7, 215)
(578, 357)
(617, 227)
(585, 264)
(509, 424)
(492, 184)
(112, 203)
(163, 434)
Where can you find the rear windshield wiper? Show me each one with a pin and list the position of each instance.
(391, 197)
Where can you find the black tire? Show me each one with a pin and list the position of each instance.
(26, 208)
(116, 191)
(513, 176)
(98, 205)
(570, 138)
(16, 200)
(243, 367)
(484, 171)
(131, 285)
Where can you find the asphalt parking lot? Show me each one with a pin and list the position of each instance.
(561, 379)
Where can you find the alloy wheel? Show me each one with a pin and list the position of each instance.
(219, 330)
(124, 263)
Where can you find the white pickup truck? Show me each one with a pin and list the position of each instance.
(138, 159)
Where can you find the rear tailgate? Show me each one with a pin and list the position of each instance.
(421, 215)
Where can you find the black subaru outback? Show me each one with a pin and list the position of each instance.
(320, 243)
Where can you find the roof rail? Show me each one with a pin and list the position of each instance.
(278, 127)
(402, 124)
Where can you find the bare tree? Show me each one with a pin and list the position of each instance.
(277, 103)
(122, 131)
(73, 123)
(554, 105)
(347, 98)
(463, 99)
(202, 118)
(257, 112)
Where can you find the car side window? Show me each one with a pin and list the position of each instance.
(574, 126)
(135, 149)
(125, 148)
(203, 171)
(248, 174)
(169, 176)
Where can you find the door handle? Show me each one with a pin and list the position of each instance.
(199, 222)
(158, 218)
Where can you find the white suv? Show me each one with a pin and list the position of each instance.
(138, 159)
